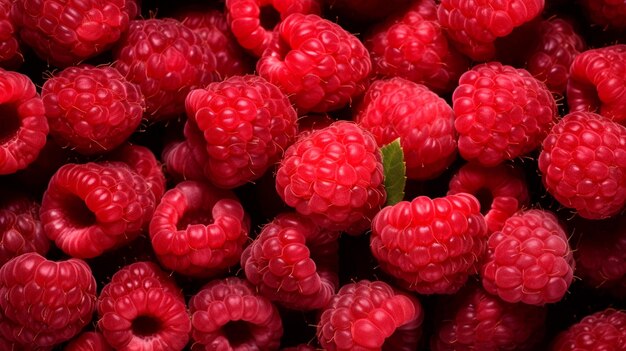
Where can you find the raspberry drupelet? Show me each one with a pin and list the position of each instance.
(89, 341)
(21, 230)
(603, 330)
(10, 52)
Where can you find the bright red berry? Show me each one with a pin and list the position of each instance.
(142, 161)
(89, 341)
(603, 330)
(21, 230)
(10, 52)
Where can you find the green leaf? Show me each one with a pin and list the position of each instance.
(395, 171)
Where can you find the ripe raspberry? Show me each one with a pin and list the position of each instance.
(474, 25)
(604, 330)
(141, 308)
(167, 60)
(229, 315)
(143, 162)
(476, 320)
(91, 109)
(293, 262)
(318, 64)
(245, 122)
(23, 126)
(424, 122)
(65, 32)
(180, 163)
(334, 176)
(430, 245)
(529, 260)
(501, 113)
(606, 13)
(90, 208)
(89, 341)
(501, 190)
(20, 228)
(44, 303)
(583, 164)
(370, 316)
(10, 52)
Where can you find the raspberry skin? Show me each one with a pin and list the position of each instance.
(180, 163)
(501, 113)
(424, 122)
(167, 60)
(293, 262)
(529, 260)
(44, 303)
(606, 13)
(603, 330)
(229, 315)
(89, 341)
(430, 246)
(23, 127)
(245, 122)
(142, 161)
(142, 309)
(583, 164)
(315, 62)
(334, 176)
(370, 316)
(10, 52)
(91, 109)
(20, 228)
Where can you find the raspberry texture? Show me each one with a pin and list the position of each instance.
(424, 122)
(142, 309)
(142, 161)
(430, 245)
(20, 228)
(318, 64)
(44, 303)
(89, 341)
(10, 52)
(243, 125)
(370, 316)
(583, 164)
(180, 163)
(91, 109)
(229, 315)
(603, 330)
(529, 260)
(501, 113)
(606, 13)
(334, 176)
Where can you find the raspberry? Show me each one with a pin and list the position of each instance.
(20, 228)
(501, 190)
(167, 60)
(65, 32)
(501, 113)
(318, 64)
(430, 245)
(91, 109)
(253, 21)
(597, 79)
(334, 176)
(475, 320)
(293, 262)
(606, 13)
(529, 260)
(424, 122)
(90, 208)
(44, 303)
(143, 162)
(141, 308)
(370, 316)
(245, 123)
(229, 315)
(23, 126)
(583, 164)
(10, 52)
(180, 163)
(198, 230)
(604, 330)
(475, 25)
(89, 341)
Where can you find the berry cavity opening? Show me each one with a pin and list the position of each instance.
(269, 17)
(144, 326)
(9, 122)
(199, 216)
(78, 213)
(237, 333)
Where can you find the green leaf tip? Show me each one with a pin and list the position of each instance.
(395, 171)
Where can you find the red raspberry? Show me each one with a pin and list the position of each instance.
(424, 122)
(10, 53)
(597, 80)
(245, 122)
(143, 162)
(430, 245)
(583, 164)
(167, 60)
(604, 330)
(318, 64)
(229, 315)
(90, 208)
(23, 126)
(180, 162)
(501, 190)
(606, 13)
(65, 32)
(370, 316)
(334, 176)
(44, 303)
(89, 341)
(91, 109)
(293, 262)
(501, 113)
(20, 228)
(476, 320)
(475, 25)
(141, 308)
(529, 260)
